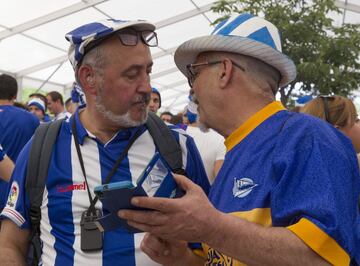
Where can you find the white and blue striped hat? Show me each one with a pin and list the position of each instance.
(242, 34)
(82, 36)
(38, 103)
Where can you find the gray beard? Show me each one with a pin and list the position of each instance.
(119, 120)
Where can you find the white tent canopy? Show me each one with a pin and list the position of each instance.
(34, 50)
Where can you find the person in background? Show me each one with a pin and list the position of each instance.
(301, 101)
(209, 143)
(39, 95)
(340, 112)
(21, 105)
(55, 105)
(70, 106)
(16, 128)
(43, 102)
(155, 100)
(287, 193)
(37, 107)
(166, 116)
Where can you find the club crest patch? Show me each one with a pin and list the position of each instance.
(243, 187)
(13, 195)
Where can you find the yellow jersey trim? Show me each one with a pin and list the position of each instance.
(260, 216)
(246, 128)
(199, 252)
(320, 242)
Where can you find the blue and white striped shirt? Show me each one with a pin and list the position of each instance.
(65, 196)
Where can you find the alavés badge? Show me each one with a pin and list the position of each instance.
(242, 187)
(13, 195)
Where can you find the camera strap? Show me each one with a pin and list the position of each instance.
(92, 201)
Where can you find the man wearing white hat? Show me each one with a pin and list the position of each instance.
(105, 141)
(37, 107)
(288, 189)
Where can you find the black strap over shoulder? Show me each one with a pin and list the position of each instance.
(37, 169)
(166, 143)
(40, 152)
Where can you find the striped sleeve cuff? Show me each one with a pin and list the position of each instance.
(320, 242)
(13, 215)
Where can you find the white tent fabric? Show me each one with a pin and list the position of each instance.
(34, 50)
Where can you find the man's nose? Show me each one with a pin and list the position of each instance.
(145, 86)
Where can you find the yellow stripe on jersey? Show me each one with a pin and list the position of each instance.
(320, 242)
(199, 252)
(245, 129)
(260, 216)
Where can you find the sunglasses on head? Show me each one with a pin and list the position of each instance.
(325, 100)
(128, 37)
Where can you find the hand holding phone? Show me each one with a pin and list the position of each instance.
(156, 180)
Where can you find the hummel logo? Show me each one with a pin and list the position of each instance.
(243, 187)
(81, 186)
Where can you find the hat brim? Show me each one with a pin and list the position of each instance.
(187, 53)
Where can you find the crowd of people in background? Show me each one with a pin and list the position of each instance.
(233, 136)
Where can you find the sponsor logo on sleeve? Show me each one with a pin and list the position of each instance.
(13, 195)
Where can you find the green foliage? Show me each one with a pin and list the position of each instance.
(326, 56)
(27, 91)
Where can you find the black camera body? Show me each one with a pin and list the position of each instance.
(91, 237)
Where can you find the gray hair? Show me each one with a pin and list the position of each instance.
(96, 58)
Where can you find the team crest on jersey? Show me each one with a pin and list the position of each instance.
(243, 187)
(13, 195)
(216, 258)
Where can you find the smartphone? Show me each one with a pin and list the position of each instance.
(156, 180)
(99, 190)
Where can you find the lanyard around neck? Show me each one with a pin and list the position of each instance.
(114, 168)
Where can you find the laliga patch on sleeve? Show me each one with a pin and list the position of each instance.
(13, 195)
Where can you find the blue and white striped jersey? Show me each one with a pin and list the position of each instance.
(65, 196)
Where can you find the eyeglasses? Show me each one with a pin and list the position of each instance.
(325, 100)
(128, 37)
(193, 74)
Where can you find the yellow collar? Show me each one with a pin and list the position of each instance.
(246, 128)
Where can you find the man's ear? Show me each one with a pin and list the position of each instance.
(87, 77)
(225, 73)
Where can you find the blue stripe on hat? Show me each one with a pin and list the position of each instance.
(234, 24)
(264, 36)
(86, 30)
(218, 26)
(78, 54)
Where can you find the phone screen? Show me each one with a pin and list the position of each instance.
(154, 178)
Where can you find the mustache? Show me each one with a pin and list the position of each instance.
(143, 98)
